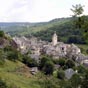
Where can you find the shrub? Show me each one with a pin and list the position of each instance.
(42, 62)
(48, 82)
(81, 69)
(70, 64)
(1, 33)
(87, 51)
(60, 74)
(75, 81)
(62, 62)
(29, 61)
(2, 84)
(56, 61)
(8, 48)
(13, 56)
(48, 67)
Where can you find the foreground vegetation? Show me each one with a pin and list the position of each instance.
(11, 78)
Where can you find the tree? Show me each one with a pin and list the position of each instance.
(77, 11)
(85, 30)
(75, 39)
(29, 61)
(81, 22)
(1, 33)
(46, 65)
(48, 68)
(43, 60)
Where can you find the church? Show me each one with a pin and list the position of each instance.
(54, 39)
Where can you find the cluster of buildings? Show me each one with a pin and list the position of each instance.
(36, 48)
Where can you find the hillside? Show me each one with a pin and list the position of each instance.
(9, 73)
(13, 72)
(23, 28)
(64, 28)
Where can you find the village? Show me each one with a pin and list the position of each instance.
(56, 49)
(44, 44)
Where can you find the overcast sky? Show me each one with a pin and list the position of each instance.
(37, 10)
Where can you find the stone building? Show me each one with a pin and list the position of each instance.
(54, 39)
(55, 48)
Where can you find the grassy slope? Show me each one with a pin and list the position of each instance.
(12, 78)
(83, 48)
(42, 27)
(25, 30)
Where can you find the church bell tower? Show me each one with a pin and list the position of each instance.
(54, 39)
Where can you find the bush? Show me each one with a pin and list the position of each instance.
(70, 64)
(2, 61)
(87, 51)
(75, 81)
(62, 62)
(13, 56)
(29, 61)
(2, 84)
(8, 48)
(84, 83)
(48, 67)
(81, 69)
(48, 82)
(42, 62)
(60, 74)
(55, 61)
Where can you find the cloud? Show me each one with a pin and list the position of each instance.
(36, 10)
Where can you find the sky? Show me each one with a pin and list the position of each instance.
(37, 10)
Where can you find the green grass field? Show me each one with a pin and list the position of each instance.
(12, 78)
